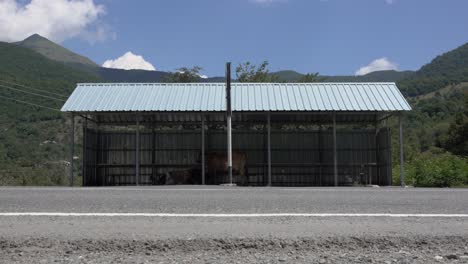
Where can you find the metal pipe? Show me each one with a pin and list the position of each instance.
(335, 159)
(229, 119)
(402, 164)
(269, 146)
(137, 152)
(72, 147)
(229, 148)
(203, 150)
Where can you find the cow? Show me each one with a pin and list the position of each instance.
(189, 176)
(216, 163)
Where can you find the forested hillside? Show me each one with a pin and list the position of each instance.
(447, 69)
(32, 149)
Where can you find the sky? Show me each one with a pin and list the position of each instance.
(332, 37)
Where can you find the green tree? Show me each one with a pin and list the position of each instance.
(457, 136)
(247, 72)
(184, 75)
(309, 77)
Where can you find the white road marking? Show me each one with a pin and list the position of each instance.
(213, 215)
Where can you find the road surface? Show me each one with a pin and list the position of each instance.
(197, 224)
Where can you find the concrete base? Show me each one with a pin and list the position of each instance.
(229, 184)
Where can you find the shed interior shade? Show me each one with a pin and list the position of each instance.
(247, 97)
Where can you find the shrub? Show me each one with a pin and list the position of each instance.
(435, 168)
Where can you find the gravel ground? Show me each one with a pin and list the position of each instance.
(139, 239)
(300, 250)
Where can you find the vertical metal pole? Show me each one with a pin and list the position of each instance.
(84, 161)
(72, 146)
(203, 150)
(229, 118)
(153, 153)
(229, 149)
(97, 153)
(137, 151)
(269, 146)
(335, 160)
(402, 164)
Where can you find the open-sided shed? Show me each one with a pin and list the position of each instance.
(294, 134)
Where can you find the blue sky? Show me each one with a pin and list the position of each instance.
(333, 37)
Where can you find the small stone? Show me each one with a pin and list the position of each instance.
(451, 256)
(438, 258)
(282, 260)
(322, 261)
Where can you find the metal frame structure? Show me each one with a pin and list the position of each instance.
(266, 110)
(100, 136)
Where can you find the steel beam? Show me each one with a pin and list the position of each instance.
(137, 152)
(84, 159)
(402, 163)
(335, 159)
(269, 146)
(97, 153)
(153, 153)
(203, 150)
(72, 147)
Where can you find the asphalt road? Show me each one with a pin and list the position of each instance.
(220, 221)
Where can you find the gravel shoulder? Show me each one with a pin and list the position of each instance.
(299, 250)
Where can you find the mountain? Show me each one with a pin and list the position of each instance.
(446, 69)
(377, 76)
(118, 75)
(287, 75)
(54, 51)
(33, 139)
(58, 53)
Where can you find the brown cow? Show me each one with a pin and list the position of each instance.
(217, 165)
(179, 177)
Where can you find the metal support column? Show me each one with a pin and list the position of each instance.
(402, 164)
(269, 146)
(84, 156)
(72, 147)
(376, 142)
(229, 119)
(335, 159)
(97, 154)
(137, 151)
(203, 150)
(153, 154)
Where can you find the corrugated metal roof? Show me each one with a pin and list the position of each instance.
(207, 97)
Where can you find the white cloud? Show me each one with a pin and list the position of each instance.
(382, 64)
(203, 76)
(129, 61)
(57, 20)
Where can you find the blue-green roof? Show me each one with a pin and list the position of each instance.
(211, 97)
